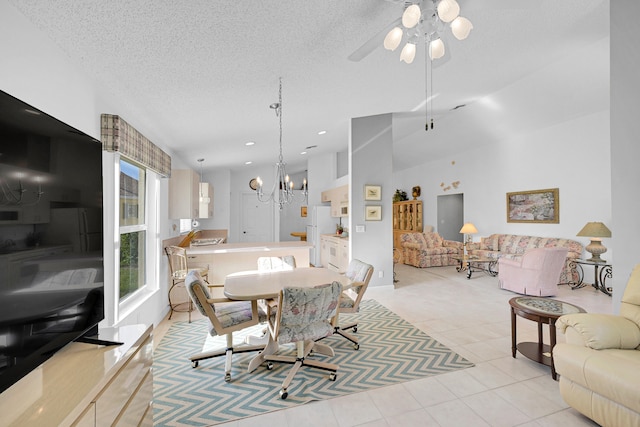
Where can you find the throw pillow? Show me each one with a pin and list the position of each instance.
(489, 243)
(432, 240)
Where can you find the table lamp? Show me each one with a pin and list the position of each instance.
(595, 230)
(468, 229)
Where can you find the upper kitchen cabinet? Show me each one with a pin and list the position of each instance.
(184, 194)
(339, 198)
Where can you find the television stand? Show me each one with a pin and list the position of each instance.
(88, 385)
(97, 341)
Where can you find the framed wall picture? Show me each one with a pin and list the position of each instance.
(373, 213)
(536, 206)
(303, 211)
(372, 192)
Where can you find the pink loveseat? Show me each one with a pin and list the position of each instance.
(429, 250)
(535, 273)
(513, 246)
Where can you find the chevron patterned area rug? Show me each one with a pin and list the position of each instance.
(391, 351)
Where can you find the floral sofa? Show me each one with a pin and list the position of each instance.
(512, 246)
(429, 250)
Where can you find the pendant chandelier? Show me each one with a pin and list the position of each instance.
(19, 195)
(428, 19)
(282, 191)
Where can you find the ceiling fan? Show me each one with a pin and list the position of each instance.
(430, 19)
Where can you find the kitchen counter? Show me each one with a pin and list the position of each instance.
(227, 258)
(246, 247)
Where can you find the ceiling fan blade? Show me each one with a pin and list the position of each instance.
(467, 5)
(373, 43)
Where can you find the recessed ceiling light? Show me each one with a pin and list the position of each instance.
(248, 163)
(303, 152)
(322, 132)
(310, 147)
(249, 143)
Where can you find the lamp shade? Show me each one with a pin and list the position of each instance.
(594, 229)
(448, 10)
(408, 53)
(461, 27)
(393, 38)
(436, 49)
(411, 16)
(468, 228)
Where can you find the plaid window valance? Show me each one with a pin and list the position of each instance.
(118, 135)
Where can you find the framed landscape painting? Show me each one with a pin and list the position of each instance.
(537, 206)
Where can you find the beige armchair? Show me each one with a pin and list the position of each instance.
(599, 364)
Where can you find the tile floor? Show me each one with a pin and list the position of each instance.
(472, 317)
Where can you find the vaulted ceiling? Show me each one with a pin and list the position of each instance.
(201, 74)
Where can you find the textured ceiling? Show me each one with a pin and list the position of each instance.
(199, 75)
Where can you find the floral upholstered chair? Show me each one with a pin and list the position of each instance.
(226, 317)
(304, 315)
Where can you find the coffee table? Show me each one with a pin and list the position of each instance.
(471, 264)
(541, 310)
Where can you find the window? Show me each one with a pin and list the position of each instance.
(133, 228)
(185, 225)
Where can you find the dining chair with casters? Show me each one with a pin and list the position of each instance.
(303, 316)
(359, 273)
(179, 267)
(225, 317)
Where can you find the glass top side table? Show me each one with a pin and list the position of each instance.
(542, 311)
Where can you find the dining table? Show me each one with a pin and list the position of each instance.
(258, 284)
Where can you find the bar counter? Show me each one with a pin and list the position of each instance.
(227, 258)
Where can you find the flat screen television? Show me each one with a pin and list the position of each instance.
(51, 234)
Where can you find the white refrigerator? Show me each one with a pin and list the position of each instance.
(80, 227)
(321, 222)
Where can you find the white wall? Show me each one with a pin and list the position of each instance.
(370, 150)
(37, 72)
(625, 150)
(220, 182)
(560, 156)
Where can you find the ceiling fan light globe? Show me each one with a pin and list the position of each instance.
(408, 53)
(448, 10)
(411, 16)
(436, 49)
(461, 27)
(393, 38)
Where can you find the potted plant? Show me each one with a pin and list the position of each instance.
(400, 196)
(339, 229)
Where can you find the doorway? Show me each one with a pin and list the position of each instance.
(451, 216)
(256, 223)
